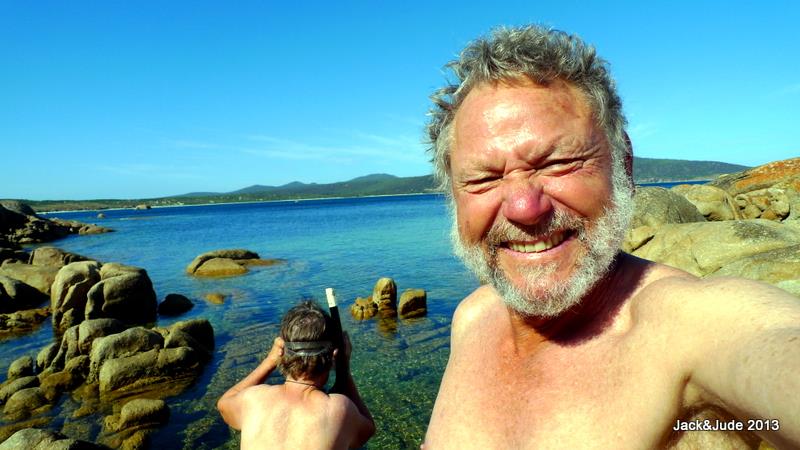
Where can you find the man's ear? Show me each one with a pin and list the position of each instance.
(628, 157)
(335, 352)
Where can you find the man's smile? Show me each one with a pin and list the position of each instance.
(538, 245)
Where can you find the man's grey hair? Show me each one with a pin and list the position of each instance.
(542, 55)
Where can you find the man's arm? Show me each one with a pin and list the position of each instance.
(747, 355)
(363, 422)
(230, 404)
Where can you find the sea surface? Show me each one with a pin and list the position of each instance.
(346, 244)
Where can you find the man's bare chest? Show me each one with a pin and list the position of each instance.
(593, 397)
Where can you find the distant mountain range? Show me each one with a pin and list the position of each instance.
(645, 170)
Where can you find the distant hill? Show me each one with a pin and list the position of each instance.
(645, 170)
(649, 170)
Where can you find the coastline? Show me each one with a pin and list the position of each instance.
(99, 210)
(287, 200)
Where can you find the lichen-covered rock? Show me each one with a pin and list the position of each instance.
(363, 308)
(200, 330)
(655, 206)
(9, 387)
(779, 267)
(770, 191)
(70, 291)
(89, 330)
(16, 295)
(40, 277)
(54, 257)
(140, 412)
(760, 177)
(384, 295)
(124, 293)
(24, 402)
(704, 248)
(712, 202)
(22, 321)
(147, 369)
(33, 438)
(174, 304)
(67, 350)
(20, 367)
(73, 375)
(127, 343)
(413, 303)
(46, 355)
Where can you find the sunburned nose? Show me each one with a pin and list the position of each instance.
(526, 203)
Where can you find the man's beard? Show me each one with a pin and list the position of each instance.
(541, 296)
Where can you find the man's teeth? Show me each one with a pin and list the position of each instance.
(539, 246)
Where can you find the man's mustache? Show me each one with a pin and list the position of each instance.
(503, 231)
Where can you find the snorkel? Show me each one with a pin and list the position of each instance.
(338, 342)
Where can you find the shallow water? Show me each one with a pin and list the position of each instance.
(344, 243)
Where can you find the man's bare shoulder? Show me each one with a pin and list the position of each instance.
(476, 308)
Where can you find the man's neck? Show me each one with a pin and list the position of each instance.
(592, 315)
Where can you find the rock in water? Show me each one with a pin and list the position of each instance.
(175, 304)
(220, 267)
(226, 263)
(21, 367)
(363, 308)
(384, 295)
(413, 303)
(124, 293)
(54, 257)
(16, 295)
(140, 412)
(37, 276)
(70, 292)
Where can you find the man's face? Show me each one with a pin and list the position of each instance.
(532, 186)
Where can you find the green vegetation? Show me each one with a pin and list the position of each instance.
(646, 170)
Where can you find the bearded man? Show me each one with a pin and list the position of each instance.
(571, 343)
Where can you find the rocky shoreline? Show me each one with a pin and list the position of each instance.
(745, 224)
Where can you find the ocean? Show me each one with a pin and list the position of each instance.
(346, 244)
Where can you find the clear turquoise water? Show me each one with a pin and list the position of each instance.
(344, 243)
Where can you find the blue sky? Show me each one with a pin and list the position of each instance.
(114, 99)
